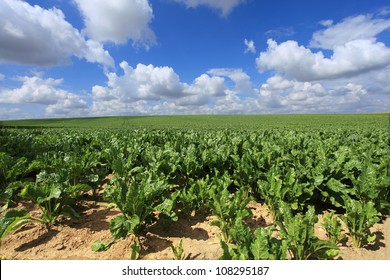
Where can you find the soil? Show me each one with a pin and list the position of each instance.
(71, 240)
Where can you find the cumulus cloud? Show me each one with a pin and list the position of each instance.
(298, 62)
(223, 6)
(118, 21)
(144, 82)
(353, 78)
(361, 27)
(368, 92)
(291, 96)
(44, 92)
(206, 85)
(242, 81)
(30, 35)
(352, 41)
(250, 46)
(148, 89)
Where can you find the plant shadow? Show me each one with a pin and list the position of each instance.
(184, 228)
(96, 220)
(44, 238)
(377, 243)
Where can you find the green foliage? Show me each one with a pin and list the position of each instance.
(297, 194)
(178, 251)
(13, 171)
(251, 122)
(135, 250)
(272, 191)
(360, 217)
(12, 221)
(260, 245)
(196, 196)
(195, 164)
(298, 231)
(100, 246)
(138, 196)
(266, 247)
(227, 207)
(239, 249)
(332, 227)
(53, 196)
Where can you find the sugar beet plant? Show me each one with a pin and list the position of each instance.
(139, 196)
(259, 245)
(332, 227)
(359, 218)
(202, 170)
(227, 207)
(53, 195)
(298, 231)
(196, 196)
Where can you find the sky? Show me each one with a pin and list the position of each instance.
(87, 58)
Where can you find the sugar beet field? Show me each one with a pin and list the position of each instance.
(196, 187)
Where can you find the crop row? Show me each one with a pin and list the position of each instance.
(160, 174)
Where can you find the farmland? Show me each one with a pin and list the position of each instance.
(229, 187)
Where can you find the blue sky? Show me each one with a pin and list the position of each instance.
(137, 57)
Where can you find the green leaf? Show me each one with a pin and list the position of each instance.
(227, 253)
(166, 208)
(266, 247)
(68, 211)
(75, 189)
(135, 250)
(178, 251)
(371, 238)
(294, 206)
(121, 227)
(100, 246)
(13, 220)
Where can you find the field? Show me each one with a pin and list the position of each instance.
(250, 122)
(196, 187)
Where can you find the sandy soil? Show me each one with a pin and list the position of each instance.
(72, 239)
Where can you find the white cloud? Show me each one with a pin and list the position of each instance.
(30, 35)
(280, 32)
(224, 6)
(46, 93)
(279, 95)
(285, 96)
(297, 62)
(354, 78)
(360, 27)
(250, 46)
(352, 41)
(144, 82)
(118, 21)
(2, 76)
(206, 85)
(11, 113)
(326, 23)
(241, 79)
(94, 52)
(147, 89)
